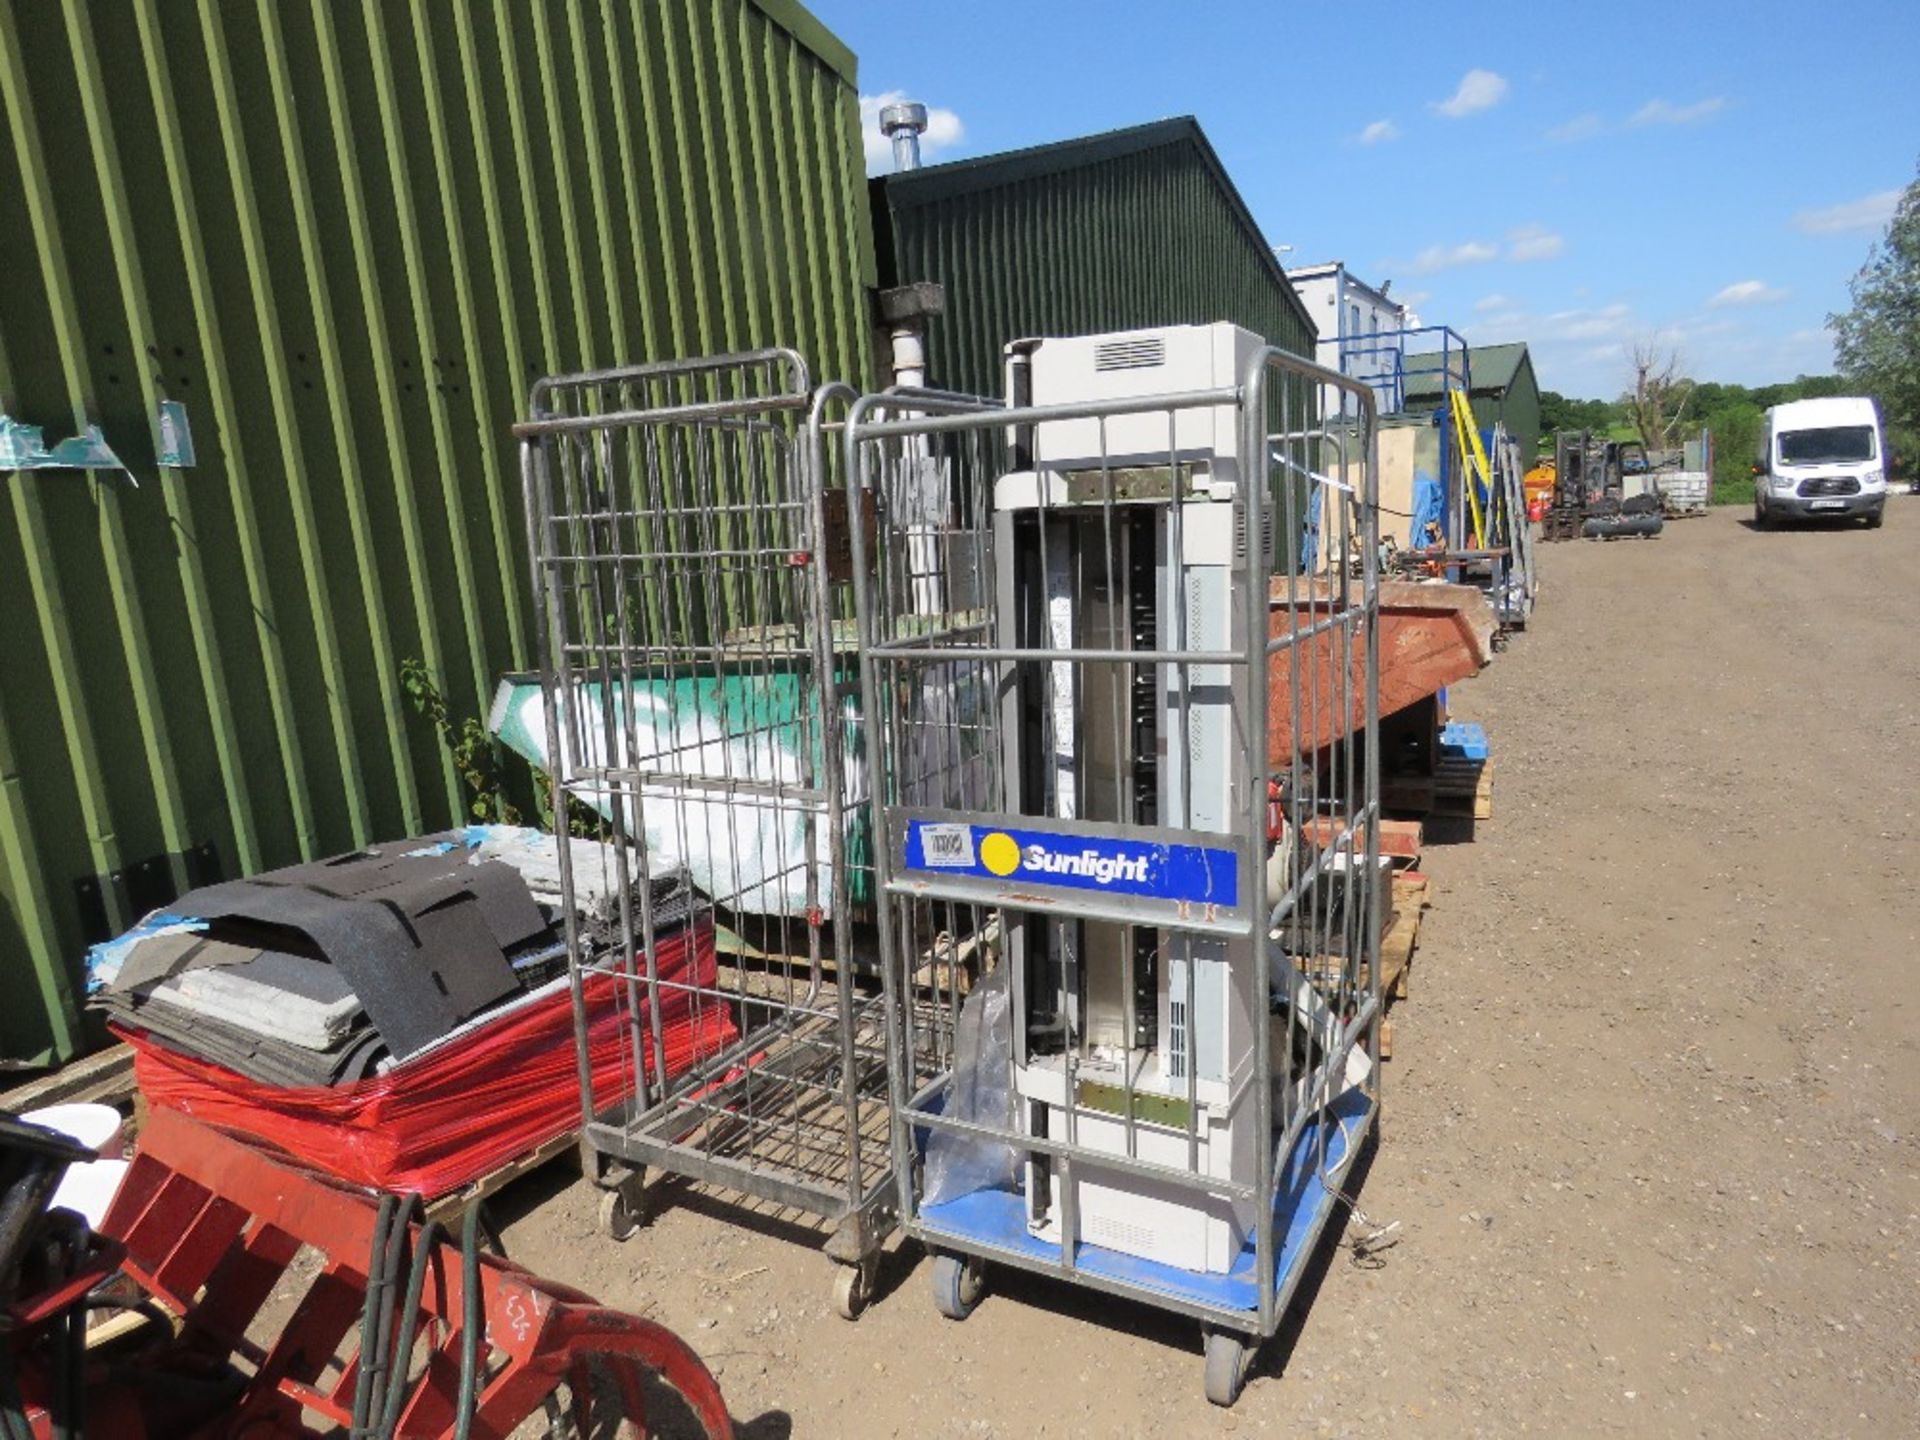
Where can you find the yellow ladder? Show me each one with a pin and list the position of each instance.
(1468, 435)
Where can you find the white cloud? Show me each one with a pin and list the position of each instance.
(1665, 112)
(1584, 351)
(1446, 257)
(1527, 242)
(1487, 304)
(1534, 242)
(943, 131)
(1578, 351)
(1507, 325)
(1414, 299)
(1747, 292)
(1601, 323)
(1479, 90)
(1379, 131)
(1869, 212)
(1581, 127)
(1743, 356)
(1584, 323)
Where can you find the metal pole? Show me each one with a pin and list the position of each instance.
(903, 124)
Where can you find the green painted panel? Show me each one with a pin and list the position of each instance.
(346, 237)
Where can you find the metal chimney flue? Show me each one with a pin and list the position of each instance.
(903, 125)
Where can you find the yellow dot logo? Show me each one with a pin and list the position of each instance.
(1000, 853)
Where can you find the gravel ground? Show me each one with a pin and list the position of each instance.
(1652, 1128)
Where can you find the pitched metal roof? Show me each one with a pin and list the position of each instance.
(933, 183)
(1493, 368)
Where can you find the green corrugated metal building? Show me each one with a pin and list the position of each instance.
(345, 237)
(1132, 228)
(1501, 387)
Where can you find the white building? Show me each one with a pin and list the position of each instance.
(1352, 317)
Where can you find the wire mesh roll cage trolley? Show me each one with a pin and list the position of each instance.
(694, 690)
(1116, 748)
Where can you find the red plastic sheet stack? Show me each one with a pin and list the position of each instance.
(448, 1117)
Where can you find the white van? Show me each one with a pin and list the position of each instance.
(1820, 458)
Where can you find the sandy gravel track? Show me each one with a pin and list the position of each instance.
(1652, 1129)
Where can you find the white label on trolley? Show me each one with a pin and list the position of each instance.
(947, 847)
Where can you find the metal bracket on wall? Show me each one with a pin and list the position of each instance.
(108, 904)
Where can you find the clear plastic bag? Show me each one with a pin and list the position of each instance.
(981, 1091)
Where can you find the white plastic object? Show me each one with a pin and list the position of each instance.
(100, 1128)
(89, 1189)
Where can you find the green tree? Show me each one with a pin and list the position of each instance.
(1562, 412)
(1736, 440)
(1658, 401)
(1877, 342)
(1731, 412)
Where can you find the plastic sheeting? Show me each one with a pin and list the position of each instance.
(24, 447)
(1429, 524)
(754, 858)
(981, 1091)
(446, 1119)
(105, 959)
(1310, 533)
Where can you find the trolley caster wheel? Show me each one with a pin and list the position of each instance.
(1229, 1358)
(623, 1210)
(852, 1289)
(958, 1285)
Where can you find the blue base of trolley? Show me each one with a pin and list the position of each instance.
(995, 1222)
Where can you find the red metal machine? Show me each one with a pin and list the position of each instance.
(211, 1227)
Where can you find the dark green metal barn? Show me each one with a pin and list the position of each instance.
(1131, 228)
(1501, 387)
(340, 241)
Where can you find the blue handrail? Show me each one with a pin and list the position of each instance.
(1450, 363)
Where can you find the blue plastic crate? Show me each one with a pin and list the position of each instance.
(1463, 739)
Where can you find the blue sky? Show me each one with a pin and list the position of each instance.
(1576, 176)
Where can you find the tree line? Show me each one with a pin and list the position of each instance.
(1732, 413)
(1876, 346)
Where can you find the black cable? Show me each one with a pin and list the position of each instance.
(13, 1410)
(382, 1369)
(362, 1391)
(495, 1242)
(67, 1241)
(396, 1374)
(70, 1336)
(381, 1388)
(472, 1322)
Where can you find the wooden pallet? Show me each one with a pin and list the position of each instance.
(456, 1201)
(1459, 788)
(1464, 788)
(104, 1078)
(1412, 894)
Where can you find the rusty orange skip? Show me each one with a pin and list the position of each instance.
(1430, 636)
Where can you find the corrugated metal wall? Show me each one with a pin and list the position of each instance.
(1134, 228)
(1519, 410)
(346, 237)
